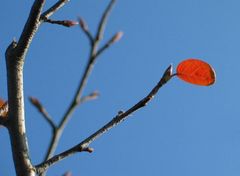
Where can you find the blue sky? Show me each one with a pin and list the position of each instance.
(186, 130)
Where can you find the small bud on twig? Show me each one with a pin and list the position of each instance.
(113, 40)
(66, 23)
(43, 111)
(116, 37)
(68, 174)
(83, 24)
(91, 96)
(87, 149)
(94, 95)
(36, 103)
(69, 23)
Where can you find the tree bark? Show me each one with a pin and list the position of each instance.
(16, 121)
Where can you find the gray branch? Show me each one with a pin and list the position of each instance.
(77, 100)
(30, 29)
(53, 9)
(103, 21)
(15, 56)
(120, 117)
(44, 112)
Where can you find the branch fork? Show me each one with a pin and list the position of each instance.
(15, 57)
(121, 116)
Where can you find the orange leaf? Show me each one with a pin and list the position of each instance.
(3, 108)
(1, 102)
(197, 72)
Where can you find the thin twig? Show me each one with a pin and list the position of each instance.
(44, 112)
(113, 40)
(93, 52)
(66, 23)
(85, 29)
(53, 9)
(103, 21)
(77, 98)
(120, 117)
(91, 96)
(38, 105)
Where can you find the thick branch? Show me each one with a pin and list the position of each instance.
(16, 125)
(2, 121)
(30, 29)
(15, 55)
(115, 121)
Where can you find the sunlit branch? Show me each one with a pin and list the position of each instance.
(66, 23)
(15, 57)
(53, 9)
(113, 40)
(44, 112)
(89, 97)
(85, 29)
(103, 21)
(121, 116)
(30, 28)
(77, 100)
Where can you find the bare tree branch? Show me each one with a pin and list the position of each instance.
(53, 9)
(103, 21)
(77, 98)
(120, 117)
(113, 40)
(66, 23)
(30, 28)
(89, 97)
(15, 56)
(85, 29)
(44, 112)
(48, 118)
(16, 115)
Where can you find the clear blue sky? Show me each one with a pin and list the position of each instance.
(186, 130)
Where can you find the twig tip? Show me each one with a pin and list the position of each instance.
(168, 73)
(70, 23)
(117, 37)
(87, 149)
(82, 24)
